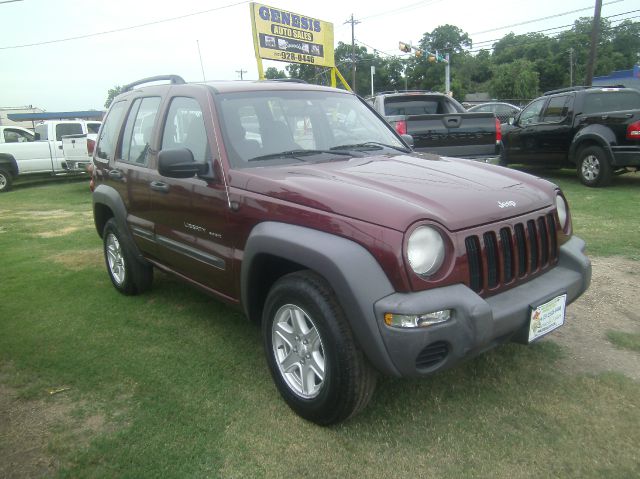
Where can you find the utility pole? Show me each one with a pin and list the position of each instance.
(571, 66)
(595, 35)
(240, 72)
(353, 23)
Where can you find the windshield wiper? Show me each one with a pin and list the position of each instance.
(295, 154)
(373, 145)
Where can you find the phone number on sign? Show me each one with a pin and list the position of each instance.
(297, 57)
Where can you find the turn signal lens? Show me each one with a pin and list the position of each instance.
(416, 320)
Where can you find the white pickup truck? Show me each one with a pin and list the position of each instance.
(56, 148)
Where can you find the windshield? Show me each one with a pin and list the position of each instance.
(283, 127)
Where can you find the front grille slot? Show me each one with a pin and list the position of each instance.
(507, 254)
(475, 263)
(522, 250)
(491, 247)
(510, 254)
(432, 355)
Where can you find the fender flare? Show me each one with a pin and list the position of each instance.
(353, 273)
(109, 197)
(598, 134)
(8, 162)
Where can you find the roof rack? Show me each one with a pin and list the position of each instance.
(288, 80)
(579, 88)
(174, 79)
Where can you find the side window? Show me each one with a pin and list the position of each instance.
(93, 127)
(185, 128)
(64, 129)
(43, 131)
(138, 129)
(557, 109)
(109, 137)
(531, 114)
(17, 136)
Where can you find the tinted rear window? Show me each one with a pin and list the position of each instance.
(64, 129)
(418, 105)
(597, 102)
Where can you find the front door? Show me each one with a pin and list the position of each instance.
(190, 215)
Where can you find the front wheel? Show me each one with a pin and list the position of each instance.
(316, 365)
(5, 180)
(593, 167)
(128, 275)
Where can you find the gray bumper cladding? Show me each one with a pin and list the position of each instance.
(477, 324)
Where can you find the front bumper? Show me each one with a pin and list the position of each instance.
(477, 324)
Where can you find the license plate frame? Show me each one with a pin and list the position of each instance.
(547, 317)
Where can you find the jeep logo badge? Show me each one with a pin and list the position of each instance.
(507, 204)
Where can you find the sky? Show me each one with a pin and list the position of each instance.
(77, 74)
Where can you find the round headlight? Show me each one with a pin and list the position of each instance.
(561, 207)
(425, 250)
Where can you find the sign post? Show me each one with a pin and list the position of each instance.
(294, 38)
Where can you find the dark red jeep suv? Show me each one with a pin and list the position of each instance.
(301, 206)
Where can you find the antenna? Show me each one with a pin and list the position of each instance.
(200, 56)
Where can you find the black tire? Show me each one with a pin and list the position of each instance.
(348, 381)
(503, 160)
(128, 275)
(6, 180)
(593, 167)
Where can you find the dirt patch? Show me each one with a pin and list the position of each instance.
(57, 233)
(611, 303)
(27, 427)
(79, 260)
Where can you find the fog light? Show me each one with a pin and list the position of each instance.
(416, 320)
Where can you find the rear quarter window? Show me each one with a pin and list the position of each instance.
(596, 102)
(109, 135)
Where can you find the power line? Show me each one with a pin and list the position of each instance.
(132, 27)
(551, 37)
(542, 18)
(475, 44)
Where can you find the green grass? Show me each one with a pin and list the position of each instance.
(606, 218)
(184, 390)
(630, 341)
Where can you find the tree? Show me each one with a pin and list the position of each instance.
(516, 80)
(111, 94)
(272, 73)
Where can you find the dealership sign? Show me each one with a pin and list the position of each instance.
(291, 37)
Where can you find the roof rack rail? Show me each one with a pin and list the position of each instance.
(579, 88)
(288, 80)
(174, 79)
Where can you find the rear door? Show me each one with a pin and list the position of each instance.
(191, 215)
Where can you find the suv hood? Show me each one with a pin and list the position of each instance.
(396, 191)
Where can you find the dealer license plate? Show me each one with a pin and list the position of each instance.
(547, 317)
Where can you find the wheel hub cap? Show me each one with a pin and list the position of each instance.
(115, 259)
(298, 351)
(590, 168)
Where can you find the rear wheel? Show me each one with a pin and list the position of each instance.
(316, 365)
(5, 180)
(593, 167)
(128, 275)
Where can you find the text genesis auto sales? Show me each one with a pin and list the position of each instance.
(291, 37)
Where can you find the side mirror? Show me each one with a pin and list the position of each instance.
(37, 136)
(511, 121)
(179, 163)
(408, 139)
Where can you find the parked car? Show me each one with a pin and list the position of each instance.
(356, 255)
(57, 148)
(503, 111)
(439, 124)
(595, 130)
(15, 134)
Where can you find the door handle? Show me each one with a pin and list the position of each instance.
(115, 174)
(159, 186)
